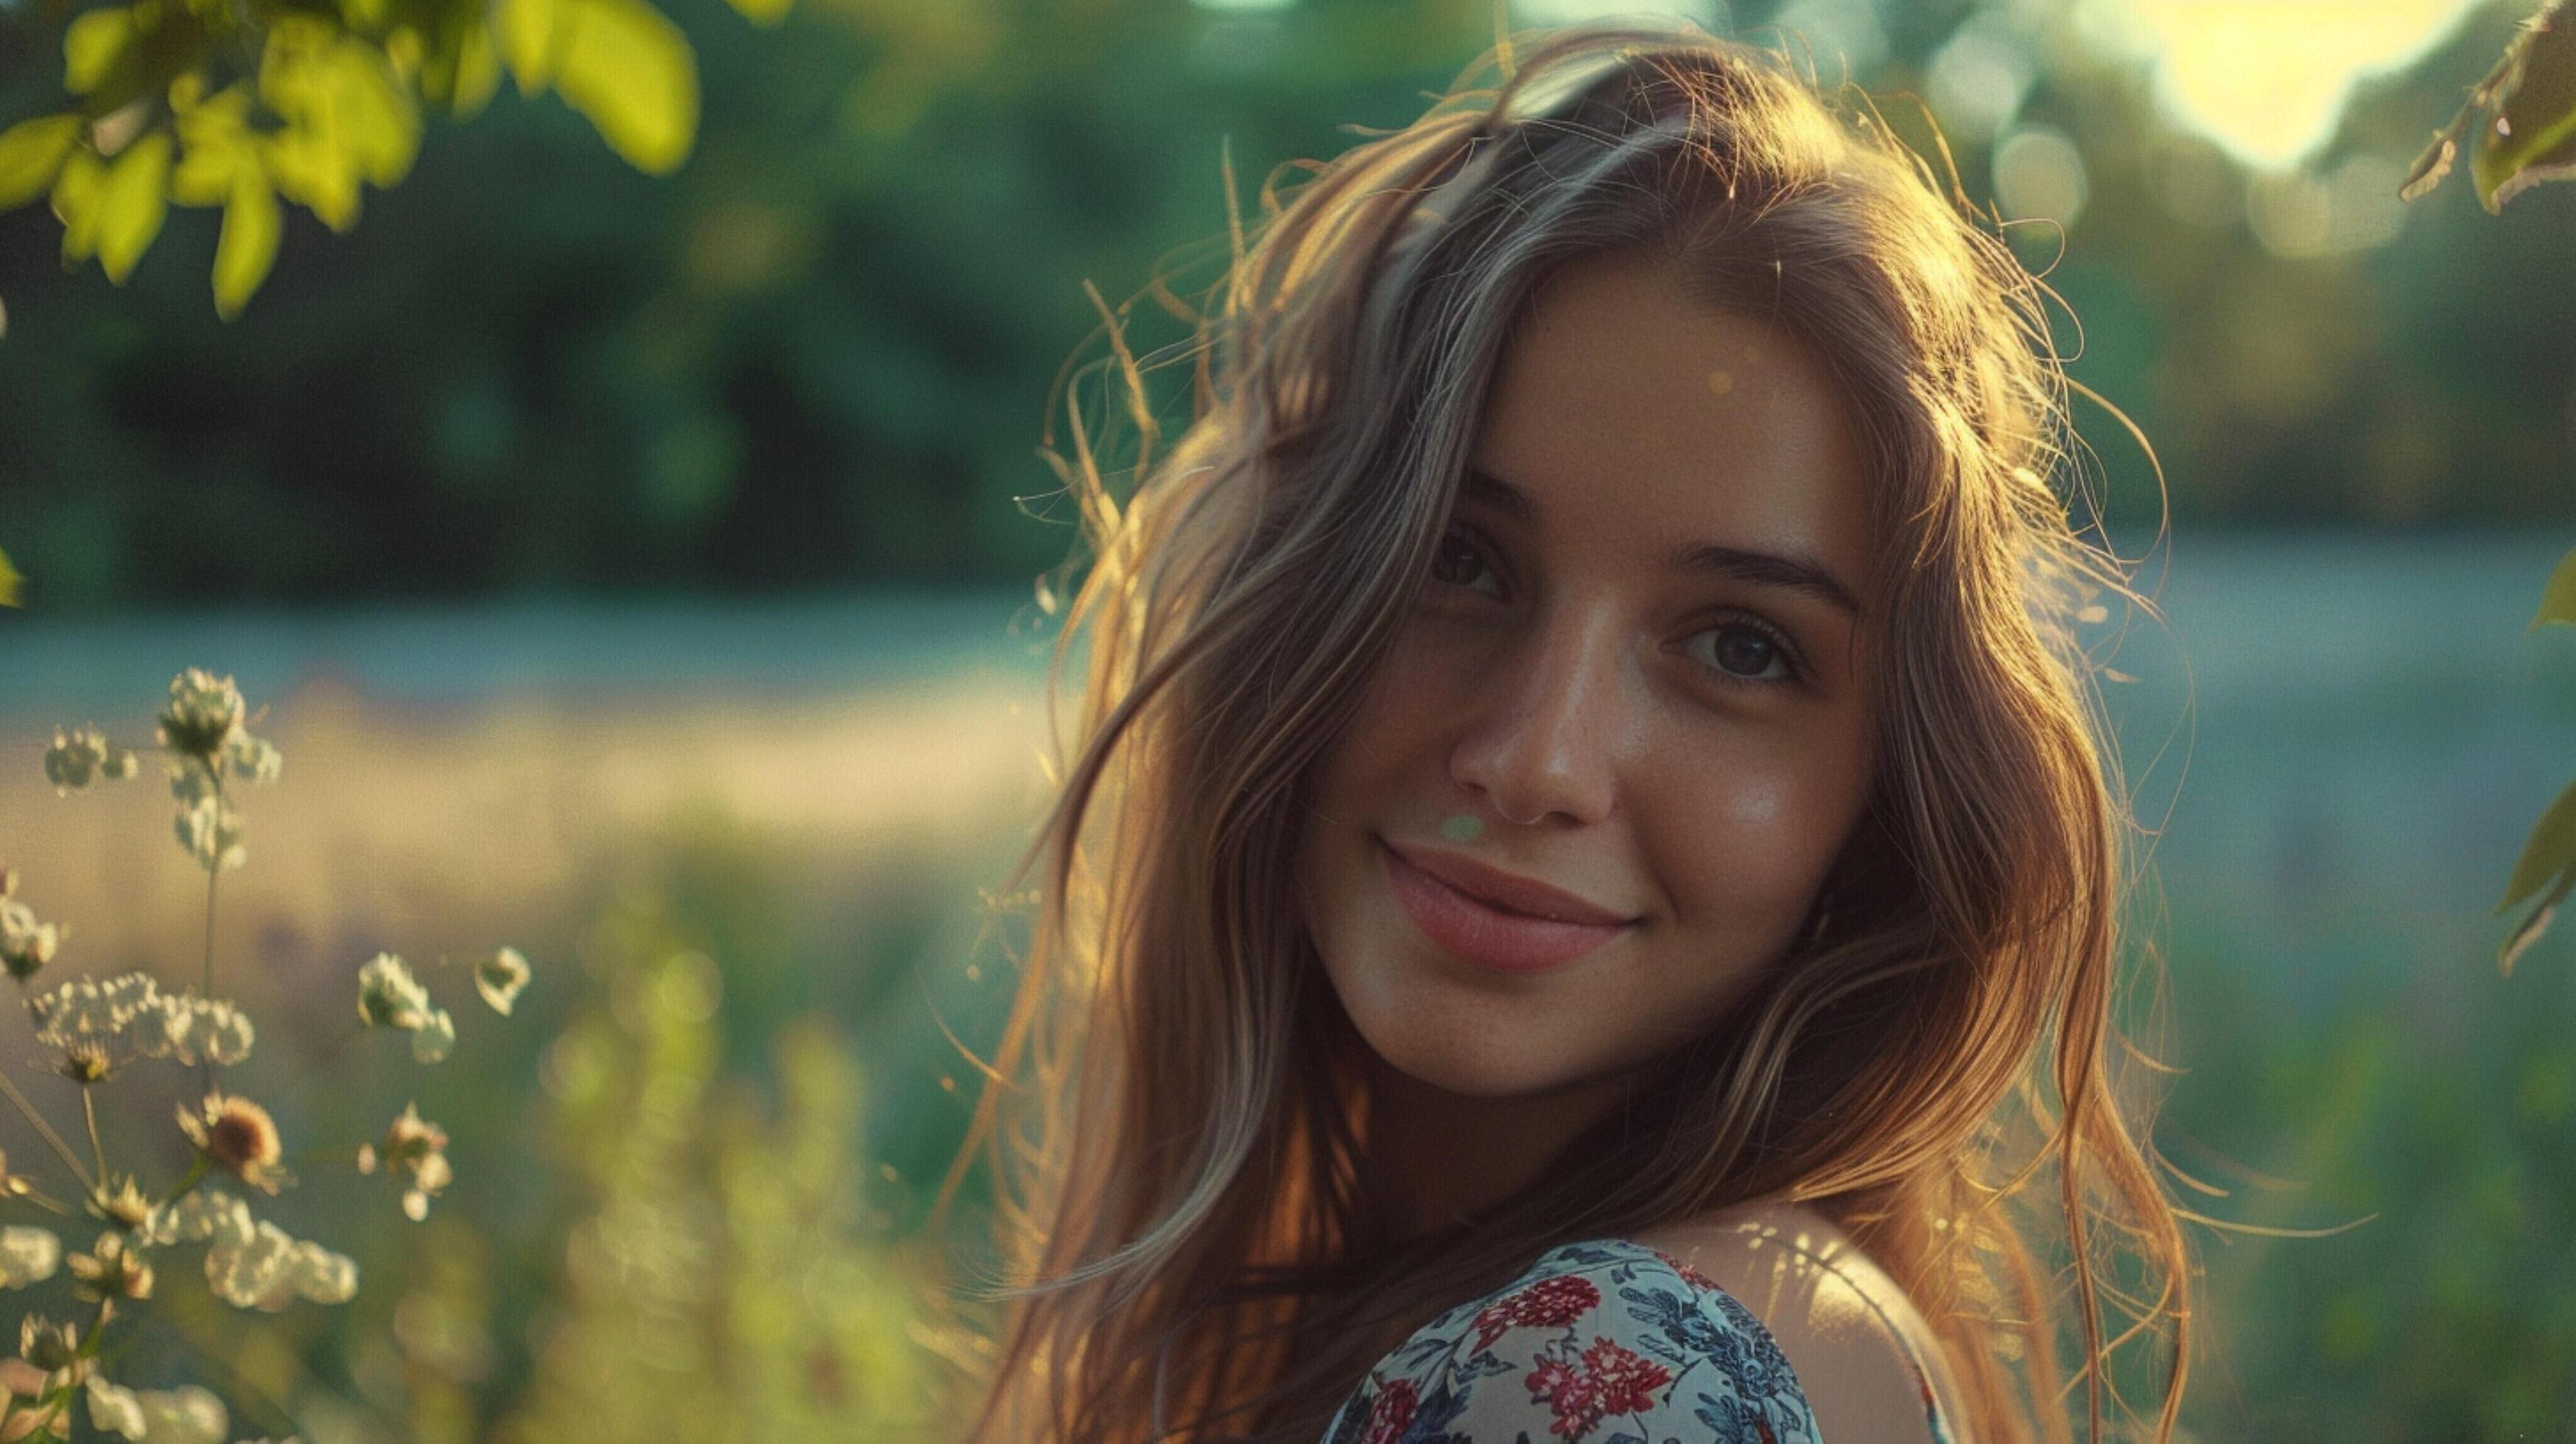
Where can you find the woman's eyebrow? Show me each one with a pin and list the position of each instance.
(1787, 571)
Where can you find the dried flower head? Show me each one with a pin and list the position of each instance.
(416, 1150)
(82, 756)
(499, 976)
(111, 1270)
(46, 1344)
(204, 712)
(389, 996)
(123, 1203)
(237, 1136)
(86, 1061)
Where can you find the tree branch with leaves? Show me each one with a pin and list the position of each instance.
(2523, 116)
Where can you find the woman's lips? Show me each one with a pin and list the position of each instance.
(1478, 932)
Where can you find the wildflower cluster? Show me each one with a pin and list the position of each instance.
(95, 1030)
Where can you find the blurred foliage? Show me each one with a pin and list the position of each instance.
(818, 355)
(2546, 871)
(716, 1280)
(216, 103)
(2525, 113)
(2431, 1126)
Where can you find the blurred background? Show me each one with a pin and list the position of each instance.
(638, 569)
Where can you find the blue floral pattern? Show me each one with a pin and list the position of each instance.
(1602, 1342)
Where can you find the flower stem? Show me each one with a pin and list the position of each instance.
(45, 1130)
(46, 1202)
(89, 1115)
(196, 1171)
(214, 869)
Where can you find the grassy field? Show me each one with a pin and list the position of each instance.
(692, 1168)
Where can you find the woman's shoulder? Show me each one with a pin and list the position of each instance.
(1868, 1357)
(1610, 1341)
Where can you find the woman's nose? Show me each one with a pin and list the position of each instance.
(1542, 735)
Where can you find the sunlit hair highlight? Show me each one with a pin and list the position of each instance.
(1174, 1111)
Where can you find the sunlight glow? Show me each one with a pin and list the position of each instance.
(1571, 12)
(2267, 78)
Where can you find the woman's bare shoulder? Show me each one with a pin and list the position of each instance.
(1863, 1351)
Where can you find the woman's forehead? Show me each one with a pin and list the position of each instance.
(1623, 407)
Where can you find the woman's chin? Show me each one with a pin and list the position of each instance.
(1482, 1066)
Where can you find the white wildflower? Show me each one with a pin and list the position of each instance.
(499, 976)
(27, 1255)
(114, 1409)
(272, 1270)
(389, 996)
(190, 785)
(431, 1041)
(253, 1274)
(189, 1414)
(321, 1276)
(193, 1030)
(211, 832)
(207, 1215)
(88, 1010)
(25, 944)
(252, 759)
(203, 715)
(82, 756)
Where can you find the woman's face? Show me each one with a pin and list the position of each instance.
(1635, 675)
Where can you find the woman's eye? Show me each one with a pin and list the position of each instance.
(1745, 651)
(1459, 562)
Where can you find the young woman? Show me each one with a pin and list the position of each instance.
(1583, 897)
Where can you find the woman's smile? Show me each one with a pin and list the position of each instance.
(1478, 927)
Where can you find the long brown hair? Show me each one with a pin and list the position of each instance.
(1186, 1245)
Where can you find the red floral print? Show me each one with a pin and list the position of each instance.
(1613, 1380)
(1551, 1303)
(1626, 1381)
(1600, 1337)
(1392, 1411)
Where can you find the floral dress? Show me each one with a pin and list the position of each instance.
(1602, 1342)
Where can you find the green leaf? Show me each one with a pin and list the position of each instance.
(377, 121)
(763, 12)
(11, 583)
(2558, 599)
(532, 35)
(347, 119)
(2528, 931)
(248, 246)
(2550, 851)
(78, 187)
(31, 153)
(632, 73)
(215, 147)
(93, 44)
(132, 203)
(2531, 137)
